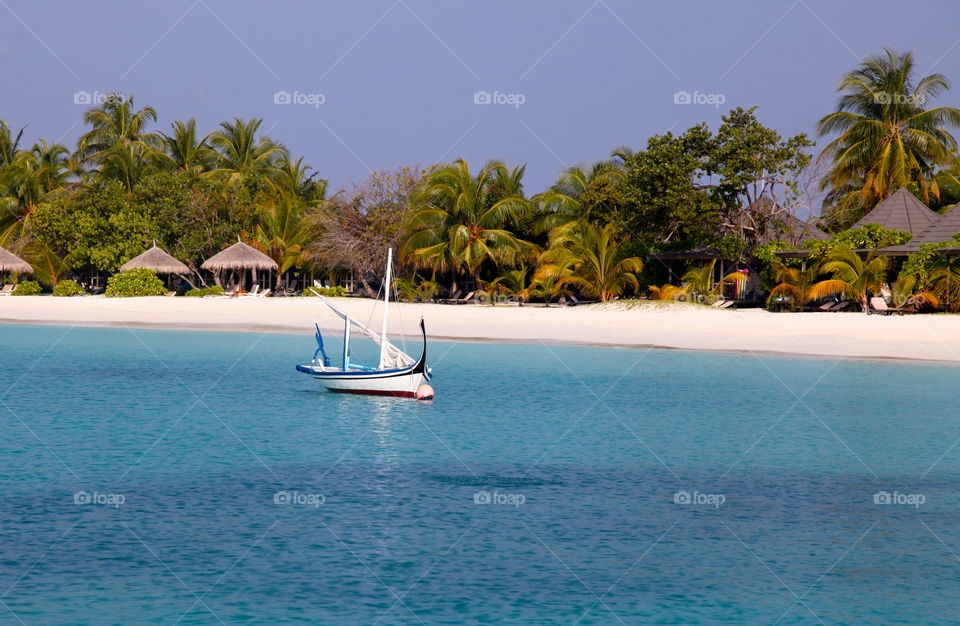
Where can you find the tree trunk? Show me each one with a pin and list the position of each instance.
(367, 287)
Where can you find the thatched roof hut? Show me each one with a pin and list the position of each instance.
(157, 260)
(239, 256)
(9, 262)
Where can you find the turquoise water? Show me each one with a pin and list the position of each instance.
(156, 476)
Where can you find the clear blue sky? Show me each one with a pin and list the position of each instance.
(398, 78)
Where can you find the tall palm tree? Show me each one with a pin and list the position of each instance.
(599, 267)
(118, 143)
(282, 234)
(461, 221)
(240, 152)
(34, 174)
(184, 150)
(117, 122)
(576, 194)
(291, 177)
(888, 138)
(8, 144)
(852, 276)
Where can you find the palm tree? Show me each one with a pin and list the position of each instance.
(240, 153)
(793, 283)
(461, 221)
(888, 138)
(852, 276)
(116, 122)
(33, 175)
(946, 286)
(291, 177)
(118, 143)
(600, 268)
(184, 151)
(282, 234)
(576, 194)
(8, 145)
(548, 284)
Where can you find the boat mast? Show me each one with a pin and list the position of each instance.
(386, 301)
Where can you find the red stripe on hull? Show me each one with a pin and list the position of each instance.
(370, 392)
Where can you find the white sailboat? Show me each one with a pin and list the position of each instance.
(397, 374)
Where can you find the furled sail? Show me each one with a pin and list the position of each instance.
(392, 356)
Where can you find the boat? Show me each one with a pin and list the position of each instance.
(397, 373)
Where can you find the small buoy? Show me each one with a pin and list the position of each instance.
(424, 392)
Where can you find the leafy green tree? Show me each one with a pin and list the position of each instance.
(461, 221)
(852, 276)
(661, 198)
(757, 173)
(888, 138)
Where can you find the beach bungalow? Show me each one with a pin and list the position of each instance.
(900, 211)
(939, 231)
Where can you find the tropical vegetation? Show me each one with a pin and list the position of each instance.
(600, 232)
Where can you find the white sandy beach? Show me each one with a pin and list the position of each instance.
(851, 335)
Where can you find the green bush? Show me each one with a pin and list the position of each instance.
(137, 282)
(206, 291)
(28, 288)
(866, 237)
(67, 288)
(330, 292)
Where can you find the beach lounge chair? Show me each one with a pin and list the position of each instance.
(724, 304)
(6, 290)
(467, 299)
(452, 299)
(879, 305)
(574, 302)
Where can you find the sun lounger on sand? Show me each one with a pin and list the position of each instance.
(6, 290)
(467, 299)
(879, 305)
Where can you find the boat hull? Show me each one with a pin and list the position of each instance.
(401, 384)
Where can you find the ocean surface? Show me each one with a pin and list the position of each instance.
(196, 478)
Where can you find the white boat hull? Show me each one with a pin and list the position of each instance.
(403, 383)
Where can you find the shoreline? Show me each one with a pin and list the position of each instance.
(633, 325)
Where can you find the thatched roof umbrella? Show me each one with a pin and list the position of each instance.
(157, 260)
(239, 256)
(9, 262)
